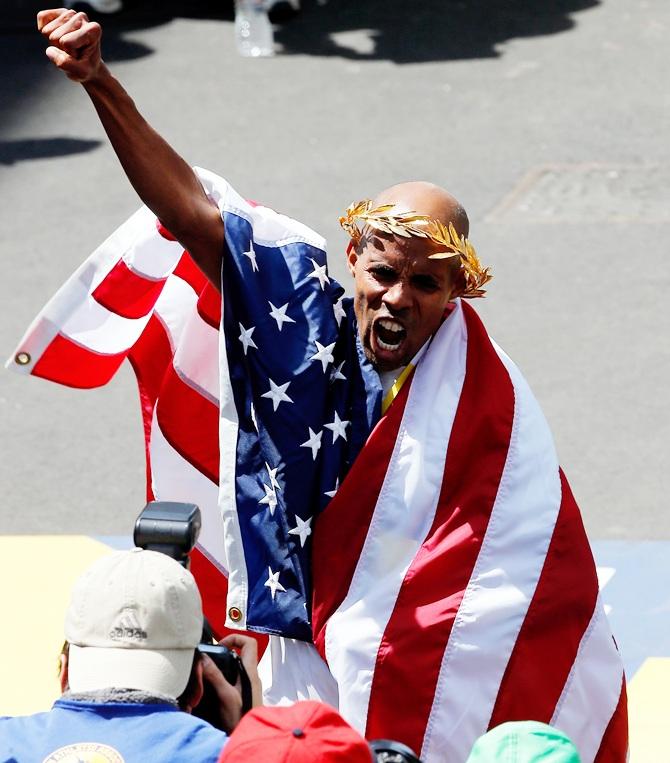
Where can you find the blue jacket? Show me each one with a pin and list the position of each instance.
(113, 732)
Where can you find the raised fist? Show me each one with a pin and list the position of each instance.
(74, 42)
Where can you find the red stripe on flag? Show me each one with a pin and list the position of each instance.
(150, 357)
(213, 587)
(191, 273)
(417, 633)
(190, 423)
(567, 584)
(209, 305)
(126, 293)
(165, 233)
(341, 529)
(70, 364)
(614, 744)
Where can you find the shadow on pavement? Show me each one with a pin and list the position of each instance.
(12, 151)
(433, 30)
(404, 31)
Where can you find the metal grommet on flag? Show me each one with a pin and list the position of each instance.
(235, 614)
(22, 358)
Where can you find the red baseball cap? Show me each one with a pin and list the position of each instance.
(306, 731)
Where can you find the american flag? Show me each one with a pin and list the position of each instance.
(448, 582)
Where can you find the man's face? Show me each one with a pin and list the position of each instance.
(400, 296)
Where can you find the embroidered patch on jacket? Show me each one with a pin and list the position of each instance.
(85, 752)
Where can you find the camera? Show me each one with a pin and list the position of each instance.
(389, 751)
(172, 528)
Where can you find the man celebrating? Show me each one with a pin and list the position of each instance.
(378, 484)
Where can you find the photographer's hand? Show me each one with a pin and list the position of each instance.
(247, 648)
(230, 699)
(229, 696)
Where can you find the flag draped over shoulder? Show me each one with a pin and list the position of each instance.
(447, 583)
(298, 401)
(454, 585)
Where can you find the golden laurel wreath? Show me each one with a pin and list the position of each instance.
(407, 224)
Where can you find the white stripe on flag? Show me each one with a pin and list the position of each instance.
(502, 584)
(151, 255)
(596, 674)
(99, 330)
(402, 518)
(176, 303)
(196, 359)
(175, 479)
(291, 671)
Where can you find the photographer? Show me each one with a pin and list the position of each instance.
(131, 673)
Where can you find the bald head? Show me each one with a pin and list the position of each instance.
(401, 290)
(426, 199)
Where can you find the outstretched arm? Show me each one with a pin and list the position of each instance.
(162, 179)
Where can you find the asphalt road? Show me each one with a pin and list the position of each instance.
(549, 121)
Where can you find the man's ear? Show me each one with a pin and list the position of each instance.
(458, 283)
(63, 671)
(352, 258)
(195, 687)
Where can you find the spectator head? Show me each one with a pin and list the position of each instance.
(524, 742)
(307, 732)
(134, 621)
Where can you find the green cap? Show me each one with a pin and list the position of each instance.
(524, 742)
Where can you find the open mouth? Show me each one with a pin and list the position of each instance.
(389, 334)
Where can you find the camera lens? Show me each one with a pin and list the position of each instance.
(390, 751)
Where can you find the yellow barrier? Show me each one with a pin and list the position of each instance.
(649, 711)
(37, 573)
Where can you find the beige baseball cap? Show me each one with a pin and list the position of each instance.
(134, 620)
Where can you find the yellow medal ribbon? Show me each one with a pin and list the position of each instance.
(396, 387)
